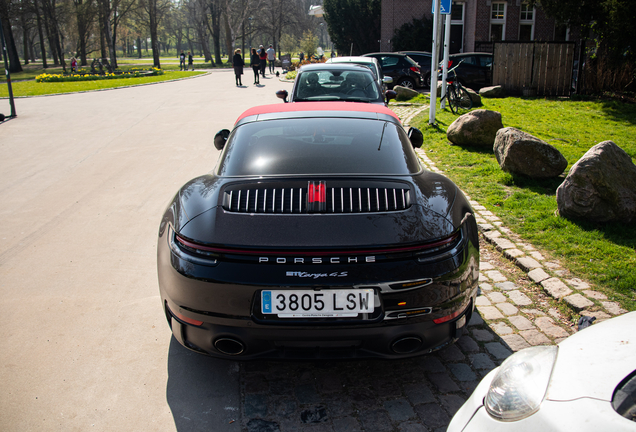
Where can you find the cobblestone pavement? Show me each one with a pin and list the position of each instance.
(516, 309)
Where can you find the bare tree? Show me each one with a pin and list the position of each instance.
(12, 53)
(53, 30)
(38, 17)
(156, 10)
(85, 11)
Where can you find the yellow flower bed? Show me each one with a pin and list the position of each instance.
(93, 77)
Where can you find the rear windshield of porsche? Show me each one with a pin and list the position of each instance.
(318, 146)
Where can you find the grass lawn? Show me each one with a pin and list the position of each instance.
(603, 254)
(32, 88)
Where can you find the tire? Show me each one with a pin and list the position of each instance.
(451, 99)
(427, 81)
(462, 99)
(406, 82)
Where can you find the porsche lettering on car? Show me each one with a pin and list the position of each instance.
(318, 235)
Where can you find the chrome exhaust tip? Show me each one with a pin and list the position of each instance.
(406, 345)
(229, 346)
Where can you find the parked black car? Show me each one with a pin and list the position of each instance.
(318, 235)
(475, 71)
(423, 59)
(404, 70)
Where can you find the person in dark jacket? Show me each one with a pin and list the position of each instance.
(238, 63)
(255, 62)
(262, 55)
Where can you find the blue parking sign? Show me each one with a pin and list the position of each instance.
(444, 7)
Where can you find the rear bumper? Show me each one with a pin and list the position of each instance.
(246, 340)
(215, 310)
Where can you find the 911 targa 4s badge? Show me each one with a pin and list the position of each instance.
(318, 235)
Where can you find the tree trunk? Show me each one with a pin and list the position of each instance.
(39, 23)
(55, 29)
(229, 35)
(32, 48)
(81, 14)
(12, 53)
(215, 31)
(106, 12)
(152, 14)
(50, 30)
(102, 33)
(25, 37)
(139, 46)
(201, 31)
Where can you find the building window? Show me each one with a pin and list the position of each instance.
(498, 11)
(457, 12)
(526, 23)
(527, 13)
(457, 28)
(497, 21)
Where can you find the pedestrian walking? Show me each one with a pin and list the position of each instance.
(301, 57)
(73, 65)
(182, 58)
(238, 63)
(271, 58)
(190, 61)
(255, 62)
(262, 55)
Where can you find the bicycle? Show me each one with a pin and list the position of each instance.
(456, 95)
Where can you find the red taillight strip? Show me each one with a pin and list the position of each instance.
(184, 318)
(192, 245)
(446, 318)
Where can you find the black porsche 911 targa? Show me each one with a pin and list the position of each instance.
(318, 235)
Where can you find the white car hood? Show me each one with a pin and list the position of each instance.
(594, 361)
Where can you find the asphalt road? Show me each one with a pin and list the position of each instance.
(84, 179)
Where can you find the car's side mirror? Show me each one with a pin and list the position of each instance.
(282, 94)
(390, 94)
(220, 138)
(387, 80)
(417, 137)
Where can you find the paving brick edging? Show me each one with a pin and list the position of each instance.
(574, 292)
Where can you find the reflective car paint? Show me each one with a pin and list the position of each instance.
(421, 262)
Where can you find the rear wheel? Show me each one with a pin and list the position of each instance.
(462, 99)
(451, 99)
(406, 82)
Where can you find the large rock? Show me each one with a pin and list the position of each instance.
(474, 96)
(404, 94)
(600, 187)
(476, 128)
(492, 92)
(519, 152)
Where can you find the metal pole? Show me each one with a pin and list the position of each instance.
(6, 71)
(446, 53)
(434, 57)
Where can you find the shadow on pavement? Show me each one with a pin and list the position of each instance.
(202, 392)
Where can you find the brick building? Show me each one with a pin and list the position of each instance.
(475, 22)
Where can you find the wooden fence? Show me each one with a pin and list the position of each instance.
(544, 67)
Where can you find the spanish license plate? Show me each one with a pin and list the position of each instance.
(317, 304)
